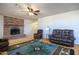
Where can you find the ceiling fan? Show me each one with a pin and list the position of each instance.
(35, 12)
(29, 9)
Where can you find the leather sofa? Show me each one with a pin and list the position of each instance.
(63, 37)
(4, 45)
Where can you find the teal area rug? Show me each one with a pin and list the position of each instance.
(39, 48)
(34, 48)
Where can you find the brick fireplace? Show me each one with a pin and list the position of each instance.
(13, 27)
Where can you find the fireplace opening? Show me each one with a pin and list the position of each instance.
(15, 31)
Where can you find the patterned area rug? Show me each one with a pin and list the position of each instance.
(39, 48)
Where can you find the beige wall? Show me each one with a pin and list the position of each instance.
(30, 27)
(1, 26)
(34, 27)
(27, 27)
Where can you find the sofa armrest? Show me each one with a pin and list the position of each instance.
(72, 39)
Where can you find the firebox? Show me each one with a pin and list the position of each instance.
(15, 31)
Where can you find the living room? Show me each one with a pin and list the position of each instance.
(19, 27)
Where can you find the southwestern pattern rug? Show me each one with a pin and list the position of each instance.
(39, 48)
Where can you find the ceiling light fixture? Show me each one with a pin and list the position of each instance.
(27, 10)
(31, 14)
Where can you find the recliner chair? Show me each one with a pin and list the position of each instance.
(39, 34)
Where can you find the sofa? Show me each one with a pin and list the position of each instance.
(62, 37)
(4, 45)
(39, 34)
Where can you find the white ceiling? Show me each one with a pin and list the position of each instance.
(46, 9)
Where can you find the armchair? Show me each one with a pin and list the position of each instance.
(39, 34)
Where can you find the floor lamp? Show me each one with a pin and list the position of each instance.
(48, 29)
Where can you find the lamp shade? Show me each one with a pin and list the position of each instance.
(47, 28)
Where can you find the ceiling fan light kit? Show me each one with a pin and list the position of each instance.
(31, 14)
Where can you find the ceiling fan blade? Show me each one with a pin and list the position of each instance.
(28, 8)
(37, 11)
(31, 10)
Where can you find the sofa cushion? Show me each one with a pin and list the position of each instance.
(56, 35)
